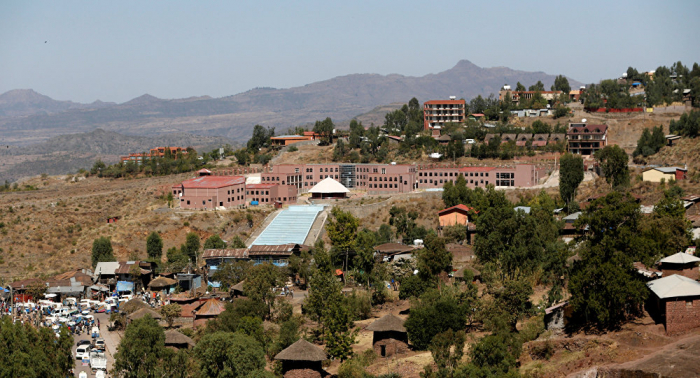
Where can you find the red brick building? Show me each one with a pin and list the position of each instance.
(677, 302)
(210, 192)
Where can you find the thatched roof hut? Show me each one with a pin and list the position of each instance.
(161, 283)
(390, 336)
(177, 339)
(133, 305)
(387, 323)
(138, 314)
(302, 355)
(237, 289)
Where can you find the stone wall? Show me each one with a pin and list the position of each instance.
(391, 347)
(682, 314)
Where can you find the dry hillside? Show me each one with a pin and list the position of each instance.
(51, 230)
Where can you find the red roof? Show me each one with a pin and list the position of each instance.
(260, 186)
(461, 207)
(477, 115)
(212, 307)
(213, 182)
(477, 169)
(236, 253)
(177, 185)
(436, 102)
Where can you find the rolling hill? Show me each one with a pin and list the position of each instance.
(33, 118)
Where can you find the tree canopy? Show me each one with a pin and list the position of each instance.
(102, 250)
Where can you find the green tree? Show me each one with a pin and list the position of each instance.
(154, 246)
(231, 273)
(570, 176)
(261, 281)
(141, 350)
(225, 354)
(102, 250)
(357, 131)
(561, 83)
(495, 355)
(192, 246)
(537, 87)
(364, 257)
(434, 258)
(325, 130)
(447, 349)
(261, 138)
(605, 288)
(214, 242)
(613, 162)
(437, 311)
(236, 242)
(342, 230)
(170, 313)
(520, 88)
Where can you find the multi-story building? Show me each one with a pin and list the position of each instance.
(373, 178)
(270, 194)
(520, 175)
(585, 139)
(210, 192)
(436, 113)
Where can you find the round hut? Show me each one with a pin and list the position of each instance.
(302, 359)
(177, 340)
(389, 337)
(162, 283)
(329, 189)
(138, 314)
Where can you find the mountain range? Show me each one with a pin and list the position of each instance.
(27, 117)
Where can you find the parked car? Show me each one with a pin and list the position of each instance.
(100, 344)
(82, 351)
(83, 342)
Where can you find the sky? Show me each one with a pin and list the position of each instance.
(118, 50)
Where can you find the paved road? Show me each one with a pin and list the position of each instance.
(111, 341)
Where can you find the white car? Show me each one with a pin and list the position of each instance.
(82, 351)
(100, 374)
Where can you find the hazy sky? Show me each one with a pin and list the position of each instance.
(118, 50)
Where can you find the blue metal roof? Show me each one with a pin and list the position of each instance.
(291, 225)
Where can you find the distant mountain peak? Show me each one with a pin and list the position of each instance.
(143, 99)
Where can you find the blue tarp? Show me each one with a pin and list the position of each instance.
(125, 286)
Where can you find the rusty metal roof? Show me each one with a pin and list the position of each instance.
(233, 253)
(212, 307)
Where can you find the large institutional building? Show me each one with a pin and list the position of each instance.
(281, 184)
(585, 139)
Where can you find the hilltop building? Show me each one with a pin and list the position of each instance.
(585, 139)
(210, 192)
(155, 152)
(436, 113)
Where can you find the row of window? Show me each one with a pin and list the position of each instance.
(426, 181)
(384, 179)
(452, 174)
(507, 175)
(238, 190)
(257, 192)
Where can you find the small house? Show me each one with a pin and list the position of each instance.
(163, 283)
(671, 139)
(390, 337)
(302, 359)
(140, 313)
(522, 139)
(680, 263)
(505, 138)
(555, 317)
(692, 204)
(676, 302)
(539, 140)
(664, 173)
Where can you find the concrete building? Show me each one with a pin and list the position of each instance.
(676, 303)
(211, 192)
(585, 139)
(374, 178)
(157, 152)
(271, 194)
(521, 175)
(436, 113)
(665, 173)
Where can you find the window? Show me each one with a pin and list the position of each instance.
(296, 170)
(383, 171)
(221, 204)
(188, 202)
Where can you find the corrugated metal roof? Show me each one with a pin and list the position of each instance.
(668, 169)
(674, 286)
(106, 267)
(461, 207)
(572, 217)
(680, 258)
(233, 253)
